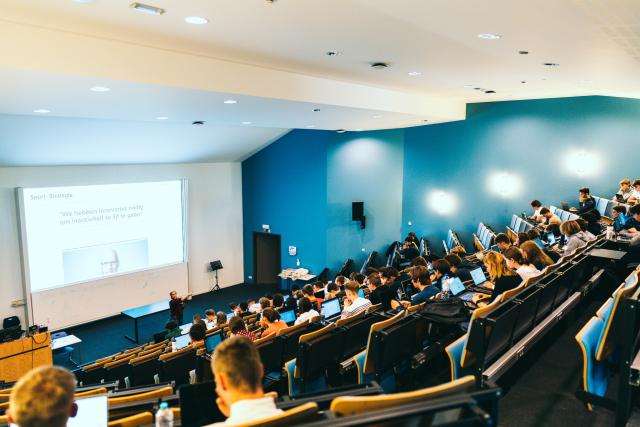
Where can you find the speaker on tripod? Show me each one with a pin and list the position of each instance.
(215, 266)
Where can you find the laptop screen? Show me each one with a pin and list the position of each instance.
(539, 243)
(478, 276)
(623, 219)
(288, 316)
(212, 341)
(495, 248)
(456, 287)
(331, 307)
(229, 316)
(92, 411)
(182, 341)
(361, 293)
(551, 239)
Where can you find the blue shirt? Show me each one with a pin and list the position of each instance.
(424, 295)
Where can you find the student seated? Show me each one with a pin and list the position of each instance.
(381, 294)
(516, 261)
(503, 242)
(421, 281)
(307, 291)
(198, 319)
(408, 252)
(413, 238)
(243, 310)
(418, 261)
(221, 318)
(537, 211)
(522, 237)
(548, 218)
(237, 327)
(272, 322)
(238, 376)
(358, 277)
(210, 318)
(43, 397)
(459, 250)
(353, 303)
(254, 306)
(633, 223)
(441, 268)
(502, 278)
(635, 193)
(587, 203)
(459, 267)
(173, 330)
(584, 226)
(278, 301)
(340, 281)
(624, 192)
(197, 333)
(318, 290)
(263, 303)
(307, 310)
(576, 238)
(332, 291)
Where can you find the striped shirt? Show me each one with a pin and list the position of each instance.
(358, 306)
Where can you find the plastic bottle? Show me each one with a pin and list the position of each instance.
(445, 287)
(164, 416)
(297, 262)
(174, 345)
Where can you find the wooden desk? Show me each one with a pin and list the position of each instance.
(19, 356)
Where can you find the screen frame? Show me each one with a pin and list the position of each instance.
(24, 249)
(331, 301)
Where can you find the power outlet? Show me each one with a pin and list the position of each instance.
(18, 303)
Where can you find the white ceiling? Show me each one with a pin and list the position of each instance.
(271, 58)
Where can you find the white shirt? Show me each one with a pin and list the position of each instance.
(244, 411)
(526, 271)
(307, 315)
(356, 306)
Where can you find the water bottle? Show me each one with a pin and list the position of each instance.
(174, 345)
(610, 233)
(445, 287)
(164, 416)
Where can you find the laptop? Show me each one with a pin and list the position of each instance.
(478, 276)
(212, 341)
(196, 408)
(288, 317)
(92, 411)
(330, 309)
(551, 239)
(457, 289)
(619, 197)
(565, 206)
(495, 248)
(539, 243)
(229, 316)
(182, 341)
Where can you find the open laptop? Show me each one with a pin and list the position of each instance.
(288, 317)
(565, 206)
(479, 279)
(182, 341)
(330, 309)
(619, 197)
(551, 239)
(212, 341)
(495, 248)
(457, 289)
(92, 411)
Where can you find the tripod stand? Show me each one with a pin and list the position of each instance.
(216, 286)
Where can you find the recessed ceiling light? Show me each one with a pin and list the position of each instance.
(246, 123)
(551, 64)
(425, 120)
(340, 130)
(333, 53)
(42, 111)
(377, 116)
(414, 73)
(523, 52)
(379, 65)
(310, 126)
(230, 101)
(162, 118)
(489, 36)
(99, 89)
(316, 110)
(359, 130)
(489, 91)
(198, 123)
(196, 20)
(145, 8)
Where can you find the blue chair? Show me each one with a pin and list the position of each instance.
(62, 350)
(594, 373)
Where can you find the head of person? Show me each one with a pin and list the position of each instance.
(514, 258)
(332, 289)
(340, 280)
(502, 241)
(522, 237)
(459, 250)
(318, 286)
(210, 315)
(618, 210)
(441, 267)
(237, 370)
(420, 277)
(278, 300)
(635, 211)
(304, 305)
(582, 223)
(196, 318)
(625, 184)
(307, 290)
(412, 237)
(534, 255)
(236, 324)
(406, 244)
(251, 301)
(454, 261)
(110, 262)
(264, 303)
(294, 289)
(535, 204)
(388, 275)
(351, 289)
(173, 294)
(221, 318)
(171, 325)
(358, 277)
(533, 234)
(584, 193)
(636, 184)
(197, 331)
(234, 308)
(419, 261)
(373, 282)
(569, 228)
(243, 307)
(545, 212)
(44, 396)
(496, 265)
(553, 228)
(270, 315)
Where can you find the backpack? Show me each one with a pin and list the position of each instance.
(450, 312)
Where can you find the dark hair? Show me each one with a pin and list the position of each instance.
(634, 210)
(331, 287)
(453, 259)
(515, 254)
(197, 332)
(544, 211)
(236, 324)
(304, 304)
(359, 277)
(278, 300)
(536, 203)
(553, 228)
(244, 306)
(620, 209)
(502, 238)
(584, 190)
(582, 223)
(318, 285)
(523, 237)
(233, 306)
(209, 312)
(442, 266)
(341, 279)
(271, 315)
(307, 290)
(390, 272)
(295, 288)
(636, 182)
(533, 234)
(197, 318)
(171, 324)
(421, 274)
(419, 261)
(374, 280)
(221, 318)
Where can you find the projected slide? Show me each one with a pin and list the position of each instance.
(77, 234)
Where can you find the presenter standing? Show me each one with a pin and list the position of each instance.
(176, 305)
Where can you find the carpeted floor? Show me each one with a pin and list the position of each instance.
(105, 337)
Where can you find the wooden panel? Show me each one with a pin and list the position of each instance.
(19, 356)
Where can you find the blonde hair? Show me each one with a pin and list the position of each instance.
(569, 228)
(625, 181)
(496, 265)
(459, 250)
(239, 361)
(533, 253)
(43, 397)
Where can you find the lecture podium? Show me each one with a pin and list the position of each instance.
(19, 356)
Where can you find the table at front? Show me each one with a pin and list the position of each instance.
(19, 356)
(67, 341)
(144, 311)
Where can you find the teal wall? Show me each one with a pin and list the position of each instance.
(395, 171)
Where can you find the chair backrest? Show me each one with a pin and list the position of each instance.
(352, 405)
(142, 370)
(137, 420)
(468, 352)
(316, 350)
(92, 392)
(152, 394)
(369, 363)
(357, 333)
(415, 308)
(373, 308)
(176, 366)
(528, 301)
(350, 319)
(271, 350)
(549, 289)
(297, 415)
